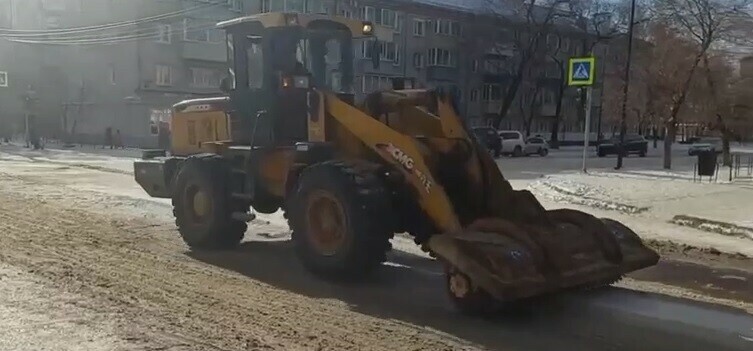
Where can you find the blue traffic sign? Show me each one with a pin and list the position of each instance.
(581, 71)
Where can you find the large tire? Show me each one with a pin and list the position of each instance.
(203, 207)
(341, 220)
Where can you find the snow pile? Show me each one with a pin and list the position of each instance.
(560, 189)
(713, 226)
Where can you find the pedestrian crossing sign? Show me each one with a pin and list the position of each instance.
(581, 71)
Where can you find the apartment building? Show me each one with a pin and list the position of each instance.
(127, 77)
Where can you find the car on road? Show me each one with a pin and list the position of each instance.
(705, 144)
(488, 137)
(513, 143)
(536, 146)
(634, 144)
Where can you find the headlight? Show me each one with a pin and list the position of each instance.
(301, 82)
(368, 28)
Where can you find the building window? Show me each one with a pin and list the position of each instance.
(491, 92)
(447, 27)
(474, 66)
(397, 56)
(164, 75)
(442, 57)
(371, 83)
(235, 5)
(474, 95)
(346, 13)
(204, 78)
(164, 33)
(201, 31)
(366, 49)
(388, 51)
(418, 60)
(388, 18)
(399, 19)
(299, 6)
(368, 13)
(419, 27)
(54, 5)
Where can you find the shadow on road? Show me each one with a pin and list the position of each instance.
(411, 289)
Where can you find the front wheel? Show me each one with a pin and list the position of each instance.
(466, 297)
(340, 217)
(203, 207)
(543, 152)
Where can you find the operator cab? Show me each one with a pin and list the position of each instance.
(277, 61)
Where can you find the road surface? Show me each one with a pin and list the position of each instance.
(89, 262)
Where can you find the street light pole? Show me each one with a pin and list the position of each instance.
(626, 88)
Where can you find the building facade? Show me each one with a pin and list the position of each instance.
(150, 54)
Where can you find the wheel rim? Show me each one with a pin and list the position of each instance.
(459, 284)
(199, 204)
(326, 222)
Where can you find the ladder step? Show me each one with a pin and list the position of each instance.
(243, 216)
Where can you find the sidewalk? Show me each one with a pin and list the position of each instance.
(659, 205)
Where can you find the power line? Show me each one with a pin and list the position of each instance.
(105, 40)
(31, 33)
(114, 34)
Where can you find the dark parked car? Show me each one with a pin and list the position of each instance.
(634, 144)
(488, 137)
(705, 145)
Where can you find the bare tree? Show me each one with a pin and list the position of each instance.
(533, 20)
(593, 22)
(705, 23)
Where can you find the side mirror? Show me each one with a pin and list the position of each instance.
(376, 50)
(226, 85)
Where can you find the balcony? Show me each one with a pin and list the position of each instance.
(204, 51)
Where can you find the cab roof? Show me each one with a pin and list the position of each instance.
(283, 19)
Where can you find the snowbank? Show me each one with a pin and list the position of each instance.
(713, 226)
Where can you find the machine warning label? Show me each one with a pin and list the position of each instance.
(408, 164)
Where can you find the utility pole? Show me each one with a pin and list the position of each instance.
(626, 88)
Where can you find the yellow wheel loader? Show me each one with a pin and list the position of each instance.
(288, 136)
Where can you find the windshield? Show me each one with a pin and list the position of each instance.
(324, 54)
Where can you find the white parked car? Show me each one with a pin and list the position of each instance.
(536, 146)
(513, 142)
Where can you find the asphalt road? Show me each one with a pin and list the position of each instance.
(268, 281)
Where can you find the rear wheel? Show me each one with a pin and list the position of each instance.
(203, 207)
(340, 218)
(517, 152)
